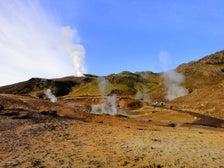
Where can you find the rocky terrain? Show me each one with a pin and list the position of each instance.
(120, 120)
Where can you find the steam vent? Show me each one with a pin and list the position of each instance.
(111, 84)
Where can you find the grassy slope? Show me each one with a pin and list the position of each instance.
(122, 84)
(199, 74)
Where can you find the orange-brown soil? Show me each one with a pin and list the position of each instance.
(146, 137)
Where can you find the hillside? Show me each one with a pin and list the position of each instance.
(119, 120)
(205, 72)
(122, 84)
(198, 74)
(208, 100)
(203, 79)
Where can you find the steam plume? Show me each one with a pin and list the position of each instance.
(172, 81)
(76, 51)
(50, 95)
(31, 43)
(108, 104)
(143, 93)
(103, 84)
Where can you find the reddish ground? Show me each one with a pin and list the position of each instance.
(32, 135)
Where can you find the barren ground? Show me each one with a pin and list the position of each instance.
(155, 138)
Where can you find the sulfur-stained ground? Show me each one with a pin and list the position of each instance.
(106, 141)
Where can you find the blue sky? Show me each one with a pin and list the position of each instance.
(117, 35)
(130, 34)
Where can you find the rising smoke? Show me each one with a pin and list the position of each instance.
(76, 51)
(172, 79)
(102, 85)
(108, 104)
(143, 92)
(31, 43)
(50, 95)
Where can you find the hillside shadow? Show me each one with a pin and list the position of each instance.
(206, 120)
(201, 119)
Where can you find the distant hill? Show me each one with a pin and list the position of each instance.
(204, 72)
(203, 78)
(122, 84)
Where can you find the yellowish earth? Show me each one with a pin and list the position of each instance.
(146, 137)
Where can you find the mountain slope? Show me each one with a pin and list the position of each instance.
(122, 84)
(207, 100)
(204, 73)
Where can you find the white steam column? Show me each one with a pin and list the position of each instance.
(76, 51)
(172, 79)
(108, 104)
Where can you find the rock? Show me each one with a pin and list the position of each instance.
(52, 112)
(21, 115)
(172, 125)
(1, 107)
(127, 103)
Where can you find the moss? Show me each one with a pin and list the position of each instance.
(84, 89)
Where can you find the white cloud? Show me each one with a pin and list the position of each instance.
(30, 43)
